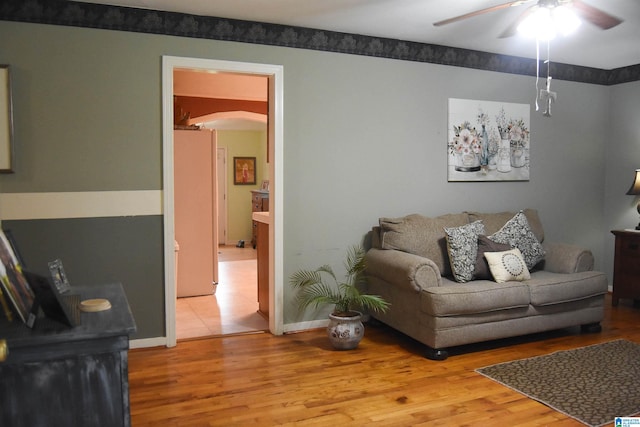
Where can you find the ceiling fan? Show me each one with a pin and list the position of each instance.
(589, 13)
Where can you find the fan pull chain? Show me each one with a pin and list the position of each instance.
(537, 70)
(548, 61)
(549, 95)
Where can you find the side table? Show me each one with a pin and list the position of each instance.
(626, 266)
(55, 375)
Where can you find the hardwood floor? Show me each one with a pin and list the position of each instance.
(297, 379)
(233, 308)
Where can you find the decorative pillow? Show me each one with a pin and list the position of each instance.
(494, 221)
(485, 244)
(421, 235)
(517, 233)
(507, 265)
(462, 246)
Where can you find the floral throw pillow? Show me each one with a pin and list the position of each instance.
(507, 265)
(462, 246)
(517, 233)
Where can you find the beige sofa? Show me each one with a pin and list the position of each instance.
(409, 264)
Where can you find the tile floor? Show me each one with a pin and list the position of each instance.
(233, 308)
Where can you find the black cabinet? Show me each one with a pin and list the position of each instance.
(55, 375)
(626, 266)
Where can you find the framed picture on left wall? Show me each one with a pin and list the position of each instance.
(244, 170)
(6, 121)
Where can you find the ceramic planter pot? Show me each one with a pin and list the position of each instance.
(345, 332)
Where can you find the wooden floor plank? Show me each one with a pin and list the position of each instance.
(299, 380)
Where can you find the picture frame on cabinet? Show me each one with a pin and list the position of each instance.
(6, 121)
(13, 285)
(244, 170)
(59, 277)
(56, 305)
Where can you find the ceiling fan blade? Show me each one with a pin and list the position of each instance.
(512, 29)
(596, 16)
(480, 12)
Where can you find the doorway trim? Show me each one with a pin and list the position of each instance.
(221, 172)
(275, 74)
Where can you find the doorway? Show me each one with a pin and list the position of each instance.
(231, 307)
(274, 74)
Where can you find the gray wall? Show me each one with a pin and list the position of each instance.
(622, 147)
(364, 137)
(97, 251)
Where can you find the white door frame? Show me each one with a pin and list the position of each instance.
(275, 74)
(221, 182)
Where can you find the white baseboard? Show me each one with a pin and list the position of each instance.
(305, 326)
(289, 328)
(148, 342)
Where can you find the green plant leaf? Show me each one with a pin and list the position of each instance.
(314, 291)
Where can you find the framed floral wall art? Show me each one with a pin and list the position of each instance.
(488, 141)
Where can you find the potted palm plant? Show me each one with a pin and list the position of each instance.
(321, 287)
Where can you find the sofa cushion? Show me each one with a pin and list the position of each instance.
(481, 269)
(421, 235)
(518, 234)
(462, 248)
(507, 265)
(495, 221)
(479, 296)
(554, 288)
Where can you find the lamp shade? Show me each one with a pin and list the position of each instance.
(634, 190)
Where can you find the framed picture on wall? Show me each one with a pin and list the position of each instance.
(488, 141)
(6, 121)
(245, 170)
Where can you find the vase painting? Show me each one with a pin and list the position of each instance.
(504, 156)
(467, 148)
(484, 147)
(518, 155)
(488, 141)
(467, 162)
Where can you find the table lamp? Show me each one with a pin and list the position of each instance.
(635, 190)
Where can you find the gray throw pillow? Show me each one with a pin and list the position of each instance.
(485, 244)
(421, 235)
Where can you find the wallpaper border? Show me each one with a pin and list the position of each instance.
(118, 18)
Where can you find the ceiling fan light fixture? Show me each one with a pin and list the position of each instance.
(545, 22)
(539, 24)
(566, 21)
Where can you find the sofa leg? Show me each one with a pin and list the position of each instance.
(591, 327)
(436, 354)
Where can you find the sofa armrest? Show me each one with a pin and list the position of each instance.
(565, 258)
(402, 269)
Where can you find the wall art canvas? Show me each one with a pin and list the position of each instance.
(488, 141)
(245, 170)
(14, 288)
